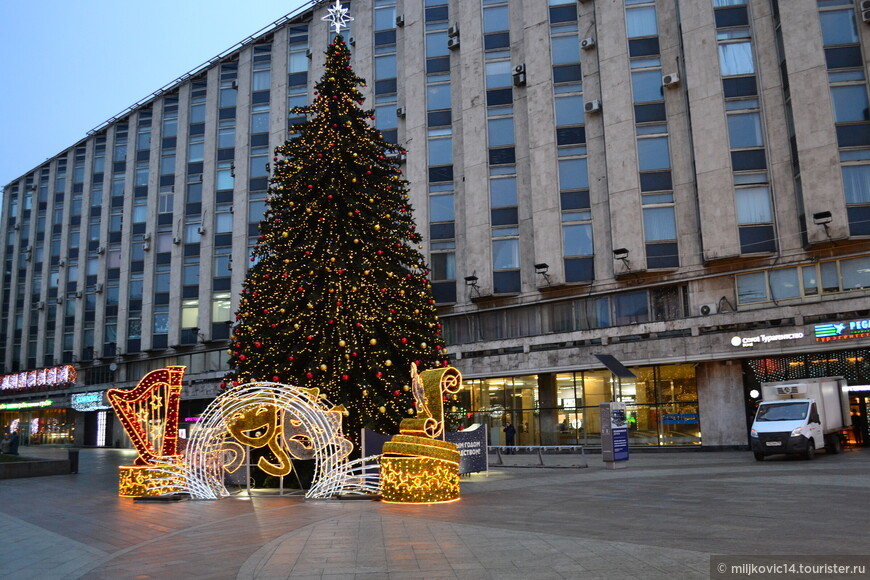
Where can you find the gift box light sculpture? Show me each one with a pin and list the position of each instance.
(418, 466)
(149, 415)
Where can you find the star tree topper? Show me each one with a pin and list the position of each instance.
(338, 17)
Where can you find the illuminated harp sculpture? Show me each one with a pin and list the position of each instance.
(417, 465)
(149, 415)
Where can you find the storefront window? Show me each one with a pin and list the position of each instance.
(563, 409)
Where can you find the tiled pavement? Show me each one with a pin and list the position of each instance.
(662, 517)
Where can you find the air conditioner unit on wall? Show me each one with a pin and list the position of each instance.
(453, 43)
(671, 80)
(587, 43)
(592, 106)
(708, 309)
(865, 5)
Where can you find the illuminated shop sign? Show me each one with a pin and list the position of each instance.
(764, 338)
(25, 405)
(842, 330)
(36, 379)
(89, 401)
(680, 418)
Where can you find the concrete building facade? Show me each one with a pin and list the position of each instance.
(679, 188)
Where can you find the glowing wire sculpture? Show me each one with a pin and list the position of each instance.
(418, 466)
(299, 422)
(149, 415)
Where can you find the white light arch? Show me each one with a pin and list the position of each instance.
(310, 429)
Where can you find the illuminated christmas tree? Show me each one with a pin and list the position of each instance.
(338, 297)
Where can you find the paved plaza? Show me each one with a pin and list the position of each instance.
(662, 517)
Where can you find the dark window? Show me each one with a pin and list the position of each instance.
(259, 184)
(843, 57)
(754, 239)
(437, 65)
(649, 113)
(168, 142)
(563, 13)
(442, 231)
(496, 40)
(502, 156)
(159, 341)
(194, 168)
(579, 269)
(506, 216)
(444, 291)
(436, 14)
(226, 154)
(440, 118)
(197, 129)
(571, 135)
(296, 79)
(385, 87)
(506, 282)
(748, 159)
(859, 220)
(438, 174)
(739, 87)
(575, 200)
(221, 283)
(385, 37)
(662, 255)
(260, 97)
(656, 181)
(259, 139)
(643, 46)
(227, 113)
(567, 73)
(498, 97)
(736, 16)
(853, 135)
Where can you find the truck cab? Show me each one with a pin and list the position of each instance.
(791, 427)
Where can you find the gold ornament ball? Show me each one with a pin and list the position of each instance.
(388, 363)
(422, 345)
(323, 367)
(410, 411)
(365, 393)
(285, 235)
(407, 388)
(382, 409)
(377, 227)
(373, 341)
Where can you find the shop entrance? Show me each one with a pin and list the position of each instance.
(858, 405)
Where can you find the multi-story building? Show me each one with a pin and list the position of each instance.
(658, 201)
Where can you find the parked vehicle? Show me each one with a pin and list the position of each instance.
(800, 417)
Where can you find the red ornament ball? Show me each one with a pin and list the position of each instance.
(397, 392)
(309, 375)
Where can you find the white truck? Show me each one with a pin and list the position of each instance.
(800, 417)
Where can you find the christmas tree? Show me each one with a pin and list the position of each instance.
(338, 296)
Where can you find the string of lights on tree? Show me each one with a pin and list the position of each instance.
(338, 297)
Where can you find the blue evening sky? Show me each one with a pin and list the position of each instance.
(70, 66)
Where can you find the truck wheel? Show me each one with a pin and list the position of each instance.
(834, 446)
(759, 456)
(811, 450)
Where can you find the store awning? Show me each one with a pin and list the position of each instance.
(615, 366)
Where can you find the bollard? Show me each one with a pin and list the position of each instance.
(73, 460)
